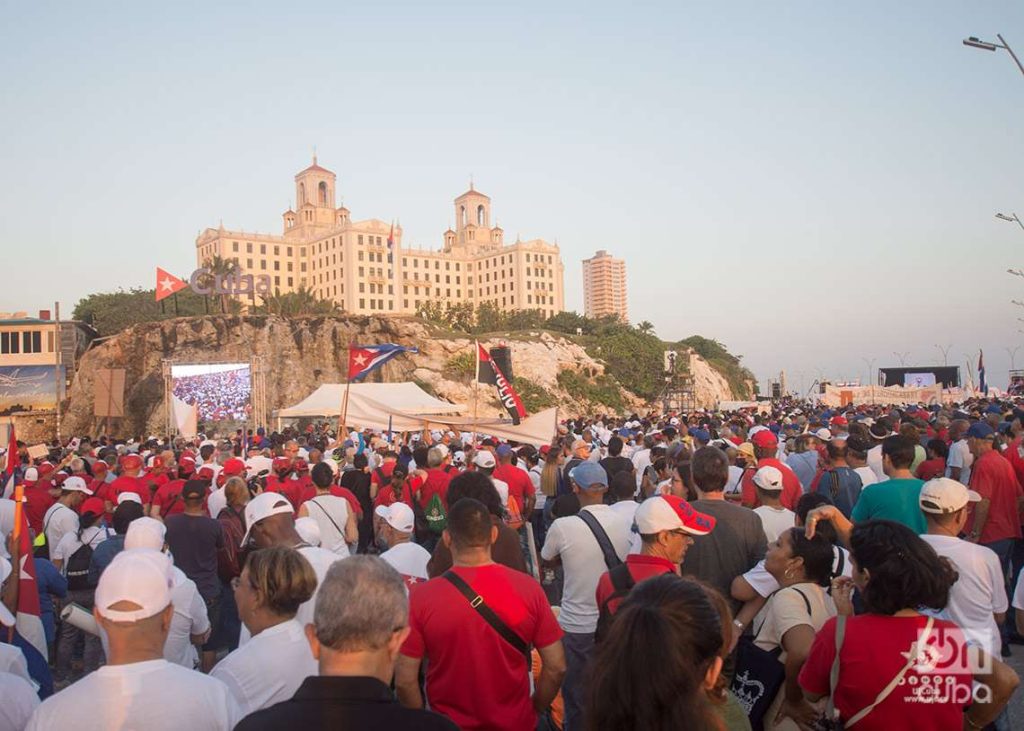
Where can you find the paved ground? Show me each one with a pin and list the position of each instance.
(1016, 661)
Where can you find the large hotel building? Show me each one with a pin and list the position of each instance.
(350, 262)
(604, 286)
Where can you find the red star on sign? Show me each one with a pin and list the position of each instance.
(167, 284)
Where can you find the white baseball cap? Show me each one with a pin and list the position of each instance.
(129, 497)
(308, 530)
(146, 533)
(769, 478)
(945, 495)
(442, 448)
(263, 506)
(75, 484)
(669, 512)
(484, 459)
(142, 577)
(6, 618)
(398, 515)
(823, 434)
(459, 457)
(31, 475)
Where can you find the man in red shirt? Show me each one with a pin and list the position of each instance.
(439, 474)
(167, 499)
(995, 521)
(765, 447)
(519, 485)
(476, 676)
(129, 481)
(381, 476)
(666, 524)
(37, 499)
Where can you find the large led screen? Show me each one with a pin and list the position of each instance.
(219, 391)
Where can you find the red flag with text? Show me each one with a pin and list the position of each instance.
(490, 372)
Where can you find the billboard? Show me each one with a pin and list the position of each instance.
(918, 380)
(947, 376)
(219, 391)
(29, 388)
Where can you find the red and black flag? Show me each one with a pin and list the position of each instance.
(488, 371)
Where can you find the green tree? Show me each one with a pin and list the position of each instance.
(569, 322)
(645, 328)
(489, 318)
(300, 303)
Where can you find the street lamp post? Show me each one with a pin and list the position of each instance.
(870, 363)
(974, 42)
(1012, 353)
(902, 357)
(945, 353)
(1012, 218)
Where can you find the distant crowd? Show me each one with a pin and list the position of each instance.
(223, 396)
(798, 568)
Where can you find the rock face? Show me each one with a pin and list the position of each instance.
(302, 353)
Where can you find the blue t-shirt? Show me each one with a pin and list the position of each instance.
(51, 583)
(843, 491)
(892, 500)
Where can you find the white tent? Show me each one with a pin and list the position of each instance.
(407, 407)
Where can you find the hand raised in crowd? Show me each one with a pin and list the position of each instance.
(842, 595)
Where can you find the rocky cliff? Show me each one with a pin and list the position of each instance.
(302, 353)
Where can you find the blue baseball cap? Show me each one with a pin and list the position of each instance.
(701, 435)
(503, 450)
(589, 476)
(980, 430)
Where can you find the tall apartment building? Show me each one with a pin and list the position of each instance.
(604, 286)
(352, 263)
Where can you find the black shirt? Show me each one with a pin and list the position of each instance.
(615, 465)
(337, 703)
(194, 540)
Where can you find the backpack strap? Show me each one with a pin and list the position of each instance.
(487, 614)
(834, 489)
(611, 559)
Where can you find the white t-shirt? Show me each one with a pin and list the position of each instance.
(764, 583)
(190, 618)
(775, 521)
(535, 474)
(269, 668)
(641, 461)
(12, 660)
(874, 460)
(216, 502)
(502, 487)
(409, 559)
(58, 520)
(18, 700)
(583, 562)
(154, 695)
(733, 483)
(70, 543)
(627, 509)
(978, 593)
(867, 476)
(960, 456)
(6, 524)
(330, 513)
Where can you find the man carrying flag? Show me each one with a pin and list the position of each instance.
(21, 593)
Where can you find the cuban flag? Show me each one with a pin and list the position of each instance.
(391, 244)
(364, 359)
(981, 372)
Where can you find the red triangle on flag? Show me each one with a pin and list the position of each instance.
(167, 284)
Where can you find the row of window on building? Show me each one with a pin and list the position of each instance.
(24, 341)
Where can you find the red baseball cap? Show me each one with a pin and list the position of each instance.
(668, 512)
(44, 469)
(233, 466)
(301, 465)
(99, 466)
(280, 464)
(839, 420)
(205, 473)
(765, 439)
(93, 505)
(131, 462)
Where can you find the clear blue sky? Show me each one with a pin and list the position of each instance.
(810, 183)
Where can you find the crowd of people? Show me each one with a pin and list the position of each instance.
(221, 396)
(795, 568)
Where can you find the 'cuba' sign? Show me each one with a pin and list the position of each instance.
(204, 282)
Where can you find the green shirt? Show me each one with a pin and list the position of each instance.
(892, 500)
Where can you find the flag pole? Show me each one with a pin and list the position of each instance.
(19, 508)
(344, 401)
(476, 379)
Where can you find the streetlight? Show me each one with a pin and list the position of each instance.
(1012, 354)
(902, 357)
(945, 353)
(973, 42)
(1012, 218)
(870, 363)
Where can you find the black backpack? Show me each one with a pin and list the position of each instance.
(77, 568)
(623, 583)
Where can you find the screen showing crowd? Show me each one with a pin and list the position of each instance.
(220, 391)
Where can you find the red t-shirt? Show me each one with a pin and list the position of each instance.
(640, 567)
(792, 490)
(169, 494)
(931, 468)
(475, 677)
(37, 502)
(436, 484)
(124, 483)
(353, 501)
(296, 491)
(993, 478)
(387, 468)
(1016, 458)
(386, 495)
(519, 485)
(874, 650)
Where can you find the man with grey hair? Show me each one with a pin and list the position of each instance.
(360, 623)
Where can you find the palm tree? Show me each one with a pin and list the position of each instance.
(222, 267)
(644, 327)
(301, 302)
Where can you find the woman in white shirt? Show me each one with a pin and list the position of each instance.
(792, 617)
(271, 666)
(334, 515)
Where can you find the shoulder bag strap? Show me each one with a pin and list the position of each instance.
(621, 578)
(831, 713)
(807, 602)
(477, 602)
(611, 559)
(887, 690)
(324, 511)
